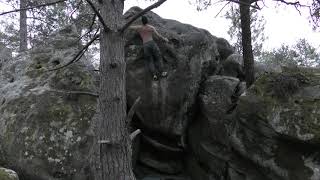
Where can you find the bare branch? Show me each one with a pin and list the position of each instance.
(240, 2)
(75, 92)
(95, 10)
(135, 134)
(77, 7)
(135, 17)
(79, 55)
(296, 3)
(90, 27)
(222, 9)
(33, 7)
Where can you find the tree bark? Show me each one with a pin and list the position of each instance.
(23, 32)
(247, 42)
(114, 156)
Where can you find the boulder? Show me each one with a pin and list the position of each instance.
(167, 104)
(7, 174)
(276, 125)
(268, 132)
(46, 115)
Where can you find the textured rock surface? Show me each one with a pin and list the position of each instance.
(43, 123)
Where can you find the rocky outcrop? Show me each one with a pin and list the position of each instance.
(272, 134)
(46, 115)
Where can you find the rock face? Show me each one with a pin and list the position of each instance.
(199, 123)
(44, 121)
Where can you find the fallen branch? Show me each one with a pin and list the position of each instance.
(33, 7)
(135, 134)
(135, 17)
(133, 109)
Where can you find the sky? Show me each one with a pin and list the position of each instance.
(284, 25)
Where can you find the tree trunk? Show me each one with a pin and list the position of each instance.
(114, 156)
(246, 41)
(23, 27)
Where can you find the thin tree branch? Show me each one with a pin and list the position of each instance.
(247, 4)
(79, 55)
(90, 27)
(222, 9)
(135, 17)
(75, 92)
(133, 109)
(296, 3)
(33, 7)
(77, 7)
(95, 10)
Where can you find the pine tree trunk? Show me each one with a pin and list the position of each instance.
(114, 156)
(246, 41)
(23, 27)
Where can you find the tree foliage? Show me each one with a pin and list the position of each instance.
(45, 20)
(302, 53)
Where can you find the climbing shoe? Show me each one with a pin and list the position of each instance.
(155, 77)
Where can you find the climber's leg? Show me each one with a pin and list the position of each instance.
(158, 60)
(149, 60)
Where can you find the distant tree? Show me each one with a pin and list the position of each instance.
(245, 19)
(257, 26)
(246, 41)
(300, 54)
(23, 30)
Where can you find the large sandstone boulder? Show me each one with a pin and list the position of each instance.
(45, 115)
(166, 104)
(277, 125)
(270, 132)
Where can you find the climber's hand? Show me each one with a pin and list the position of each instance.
(166, 40)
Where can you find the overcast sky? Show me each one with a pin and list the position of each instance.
(284, 25)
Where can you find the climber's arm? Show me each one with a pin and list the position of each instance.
(160, 36)
(135, 27)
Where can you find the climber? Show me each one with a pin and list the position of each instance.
(151, 50)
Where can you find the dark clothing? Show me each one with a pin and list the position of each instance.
(153, 57)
